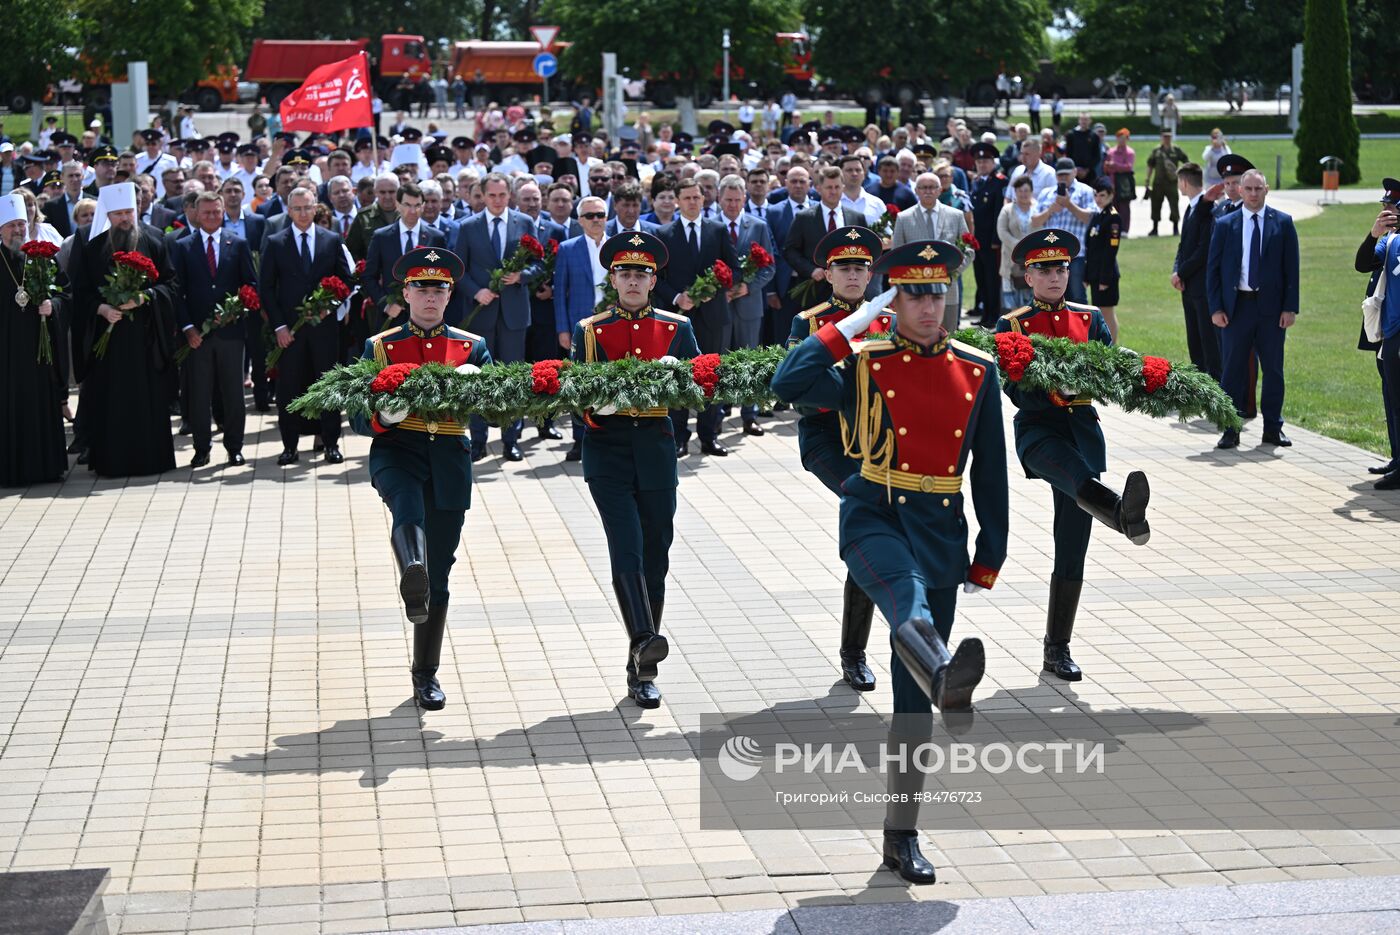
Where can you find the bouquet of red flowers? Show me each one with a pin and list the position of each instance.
(40, 270)
(549, 257)
(233, 308)
(756, 259)
(708, 283)
(131, 273)
(530, 251)
(323, 300)
(884, 224)
(970, 246)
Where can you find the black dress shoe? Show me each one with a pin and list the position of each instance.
(317, 445)
(574, 454)
(200, 459)
(1278, 438)
(478, 453)
(76, 447)
(645, 694)
(1390, 482)
(236, 459)
(549, 431)
(781, 407)
(1231, 439)
(333, 455)
(1378, 469)
(903, 856)
(752, 428)
(184, 428)
(713, 448)
(513, 453)
(682, 449)
(288, 456)
(82, 457)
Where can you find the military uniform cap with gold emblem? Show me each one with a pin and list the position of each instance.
(429, 266)
(1048, 247)
(922, 267)
(848, 245)
(633, 250)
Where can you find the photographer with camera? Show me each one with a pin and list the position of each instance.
(1379, 255)
(1068, 206)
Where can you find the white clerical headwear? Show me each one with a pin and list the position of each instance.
(12, 209)
(118, 197)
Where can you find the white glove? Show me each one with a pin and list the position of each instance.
(668, 359)
(468, 368)
(607, 410)
(1067, 392)
(858, 322)
(970, 587)
(1128, 350)
(392, 416)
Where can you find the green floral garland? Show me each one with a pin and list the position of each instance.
(502, 392)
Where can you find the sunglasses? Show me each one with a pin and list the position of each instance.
(594, 215)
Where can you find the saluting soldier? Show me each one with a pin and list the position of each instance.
(422, 468)
(1058, 440)
(629, 457)
(846, 254)
(917, 407)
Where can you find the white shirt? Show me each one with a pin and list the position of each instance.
(829, 213)
(1246, 232)
(491, 219)
(1042, 177)
(416, 231)
(349, 217)
(600, 275)
(746, 113)
(759, 211)
(867, 204)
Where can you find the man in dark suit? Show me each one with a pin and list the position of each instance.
(484, 242)
(250, 226)
(779, 215)
(1189, 271)
(210, 265)
(694, 244)
(293, 264)
(1252, 287)
(627, 205)
(282, 183)
(809, 227)
(389, 243)
(148, 210)
(541, 342)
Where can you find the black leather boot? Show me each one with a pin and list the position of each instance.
(905, 783)
(410, 552)
(647, 646)
(427, 649)
(1126, 514)
(948, 681)
(857, 612)
(1059, 625)
(645, 694)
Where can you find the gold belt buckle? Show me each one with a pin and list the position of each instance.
(926, 484)
(432, 427)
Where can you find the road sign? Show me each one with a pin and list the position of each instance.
(545, 65)
(545, 35)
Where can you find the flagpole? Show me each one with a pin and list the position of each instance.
(373, 130)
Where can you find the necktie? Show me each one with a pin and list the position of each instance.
(830, 220)
(344, 224)
(496, 245)
(209, 255)
(305, 250)
(407, 241)
(694, 240)
(733, 234)
(1254, 244)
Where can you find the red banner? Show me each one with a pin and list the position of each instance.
(333, 97)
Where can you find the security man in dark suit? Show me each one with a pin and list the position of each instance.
(1189, 270)
(295, 261)
(1058, 439)
(629, 457)
(420, 465)
(988, 195)
(1230, 168)
(916, 409)
(694, 245)
(210, 265)
(846, 255)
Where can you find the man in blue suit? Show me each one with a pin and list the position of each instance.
(540, 340)
(297, 258)
(578, 285)
(484, 242)
(779, 217)
(389, 243)
(210, 265)
(1252, 286)
(744, 231)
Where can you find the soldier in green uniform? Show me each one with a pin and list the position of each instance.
(1058, 439)
(1162, 164)
(846, 254)
(423, 469)
(629, 457)
(917, 407)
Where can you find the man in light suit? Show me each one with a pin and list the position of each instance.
(781, 306)
(215, 360)
(389, 243)
(1252, 287)
(578, 285)
(808, 228)
(294, 262)
(694, 244)
(744, 230)
(484, 242)
(930, 219)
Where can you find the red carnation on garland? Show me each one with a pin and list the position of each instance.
(1014, 354)
(391, 378)
(704, 370)
(544, 376)
(1155, 371)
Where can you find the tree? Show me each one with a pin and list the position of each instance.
(180, 40)
(1326, 126)
(44, 30)
(954, 47)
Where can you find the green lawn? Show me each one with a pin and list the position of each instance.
(17, 125)
(1332, 387)
(1379, 158)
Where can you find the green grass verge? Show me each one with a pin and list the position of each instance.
(17, 125)
(1332, 388)
(1379, 158)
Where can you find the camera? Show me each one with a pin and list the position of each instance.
(1061, 189)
